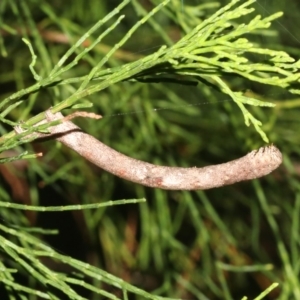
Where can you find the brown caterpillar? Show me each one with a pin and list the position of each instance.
(255, 164)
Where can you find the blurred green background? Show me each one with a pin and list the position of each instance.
(224, 243)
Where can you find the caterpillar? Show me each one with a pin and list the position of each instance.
(255, 164)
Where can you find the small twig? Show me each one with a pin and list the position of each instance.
(255, 164)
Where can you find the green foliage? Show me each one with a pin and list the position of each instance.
(189, 244)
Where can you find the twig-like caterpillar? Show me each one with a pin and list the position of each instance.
(255, 164)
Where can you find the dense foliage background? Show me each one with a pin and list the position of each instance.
(224, 243)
